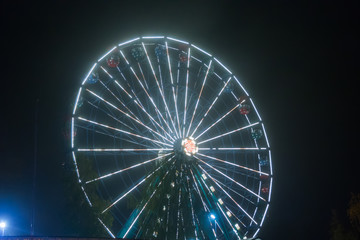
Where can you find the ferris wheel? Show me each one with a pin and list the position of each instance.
(167, 144)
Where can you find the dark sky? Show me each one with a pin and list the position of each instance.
(298, 59)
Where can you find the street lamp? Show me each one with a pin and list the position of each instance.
(3, 226)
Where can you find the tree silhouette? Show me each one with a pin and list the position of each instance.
(81, 220)
(354, 211)
(349, 230)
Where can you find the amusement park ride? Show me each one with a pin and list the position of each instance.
(168, 144)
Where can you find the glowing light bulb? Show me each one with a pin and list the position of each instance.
(228, 213)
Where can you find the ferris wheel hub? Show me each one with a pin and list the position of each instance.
(186, 146)
(189, 146)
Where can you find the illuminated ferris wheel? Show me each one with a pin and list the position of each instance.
(168, 144)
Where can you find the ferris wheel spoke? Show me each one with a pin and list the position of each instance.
(177, 91)
(234, 191)
(134, 221)
(231, 179)
(227, 194)
(182, 220)
(124, 195)
(158, 113)
(198, 99)
(160, 87)
(192, 208)
(107, 229)
(126, 138)
(232, 213)
(116, 119)
(123, 149)
(120, 138)
(127, 82)
(134, 129)
(104, 70)
(224, 149)
(152, 120)
(206, 208)
(201, 231)
(142, 74)
(227, 133)
(233, 171)
(122, 131)
(198, 191)
(217, 121)
(139, 104)
(146, 92)
(128, 108)
(228, 221)
(122, 88)
(217, 203)
(233, 164)
(128, 115)
(212, 104)
(121, 102)
(211, 194)
(125, 169)
(139, 231)
(133, 188)
(151, 100)
(172, 86)
(186, 90)
(160, 90)
(160, 76)
(167, 219)
(178, 215)
(217, 224)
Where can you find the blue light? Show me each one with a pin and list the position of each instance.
(3, 226)
(212, 216)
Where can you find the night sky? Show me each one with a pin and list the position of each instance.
(299, 61)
